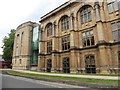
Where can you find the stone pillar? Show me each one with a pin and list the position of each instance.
(54, 44)
(72, 40)
(78, 62)
(39, 63)
(103, 59)
(54, 28)
(72, 32)
(71, 22)
(100, 29)
(54, 63)
(73, 62)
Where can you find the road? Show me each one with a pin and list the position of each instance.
(20, 82)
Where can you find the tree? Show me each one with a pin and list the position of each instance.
(8, 43)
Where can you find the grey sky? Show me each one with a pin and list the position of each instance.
(15, 12)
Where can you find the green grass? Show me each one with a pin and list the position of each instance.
(78, 73)
(100, 81)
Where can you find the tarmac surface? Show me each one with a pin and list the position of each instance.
(9, 81)
(76, 83)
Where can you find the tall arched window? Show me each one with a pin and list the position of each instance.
(49, 65)
(66, 65)
(65, 23)
(49, 29)
(85, 14)
(90, 64)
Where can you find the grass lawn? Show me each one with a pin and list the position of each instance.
(79, 73)
(101, 81)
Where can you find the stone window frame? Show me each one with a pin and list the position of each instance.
(116, 31)
(113, 5)
(65, 42)
(65, 23)
(85, 14)
(88, 35)
(49, 46)
(49, 29)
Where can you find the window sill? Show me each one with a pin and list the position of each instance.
(86, 22)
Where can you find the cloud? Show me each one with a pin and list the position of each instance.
(15, 12)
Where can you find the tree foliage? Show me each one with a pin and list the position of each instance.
(8, 43)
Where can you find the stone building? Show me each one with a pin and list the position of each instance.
(81, 37)
(25, 53)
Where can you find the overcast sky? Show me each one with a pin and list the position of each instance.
(15, 12)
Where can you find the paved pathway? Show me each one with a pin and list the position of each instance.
(69, 75)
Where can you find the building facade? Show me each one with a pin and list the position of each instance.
(25, 53)
(81, 37)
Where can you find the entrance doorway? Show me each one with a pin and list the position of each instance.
(49, 65)
(66, 65)
(90, 64)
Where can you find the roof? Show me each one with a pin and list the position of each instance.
(57, 9)
(26, 23)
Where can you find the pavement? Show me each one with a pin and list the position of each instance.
(78, 83)
(72, 75)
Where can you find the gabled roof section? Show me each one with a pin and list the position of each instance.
(57, 9)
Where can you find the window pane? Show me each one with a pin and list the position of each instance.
(115, 36)
(87, 33)
(84, 42)
(114, 26)
(65, 23)
(118, 23)
(110, 8)
(65, 42)
(116, 5)
(83, 35)
(68, 45)
(88, 42)
(89, 15)
(85, 17)
(82, 19)
(88, 38)
(91, 32)
(92, 40)
(109, 1)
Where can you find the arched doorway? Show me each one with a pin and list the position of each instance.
(66, 65)
(49, 65)
(90, 64)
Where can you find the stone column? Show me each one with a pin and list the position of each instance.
(72, 40)
(72, 32)
(73, 62)
(53, 62)
(54, 28)
(78, 62)
(103, 59)
(100, 29)
(71, 22)
(39, 63)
